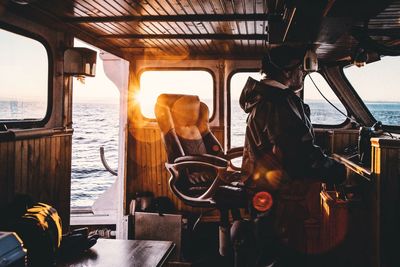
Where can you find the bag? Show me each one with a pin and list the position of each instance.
(41, 232)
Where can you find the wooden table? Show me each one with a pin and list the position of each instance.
(123, 253)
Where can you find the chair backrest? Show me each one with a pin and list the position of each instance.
(183, 121)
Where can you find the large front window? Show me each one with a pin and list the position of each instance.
(325, 106)
(377, 84)
(322, 112)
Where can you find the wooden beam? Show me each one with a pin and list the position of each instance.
(391, 32)
(218, 36)
(176, 18)
(291, 13)
(328, 7)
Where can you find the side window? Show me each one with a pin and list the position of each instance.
(238, 116)
(377, 84)
(188, 82)
(321, 111)
(24, 74)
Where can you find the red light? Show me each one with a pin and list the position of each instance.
(262, 201)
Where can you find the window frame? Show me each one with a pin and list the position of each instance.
(229, 107)
(33, 123)
(328, 126)
(390, 128)
(315, 125)
(208, 70)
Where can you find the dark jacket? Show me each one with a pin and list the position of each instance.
(279, 142)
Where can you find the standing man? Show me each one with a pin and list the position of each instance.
(280, 155)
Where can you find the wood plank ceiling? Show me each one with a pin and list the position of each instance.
(226, 28)
(178, 27)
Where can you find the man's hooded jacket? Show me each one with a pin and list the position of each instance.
(279, 144)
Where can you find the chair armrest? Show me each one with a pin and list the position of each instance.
(174, 168)
(207, 158)
(206, 197)
(235, 152)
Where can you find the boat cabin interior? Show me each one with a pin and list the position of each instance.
(178, 68)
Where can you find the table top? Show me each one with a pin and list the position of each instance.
(111, 252)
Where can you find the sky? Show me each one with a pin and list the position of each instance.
(23, 76)
(23, 68)
(95, 89)
(154, 83)
(378, 81)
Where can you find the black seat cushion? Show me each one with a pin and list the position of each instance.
(184, 124)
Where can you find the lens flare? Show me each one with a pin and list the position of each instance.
(262, 201)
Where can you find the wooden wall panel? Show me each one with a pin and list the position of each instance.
(335, 141)
(386, 167)
(7, 166)
(146, 165)
(343, 139)
(39, 167)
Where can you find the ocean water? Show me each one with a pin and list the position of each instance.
(97, 125)
(22, 110)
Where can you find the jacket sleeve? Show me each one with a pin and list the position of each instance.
(285, 125)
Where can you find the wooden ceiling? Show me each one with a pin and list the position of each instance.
(224, 28)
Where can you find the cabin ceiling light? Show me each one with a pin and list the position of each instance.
(310, 63)
(80, 61)
(360, 57)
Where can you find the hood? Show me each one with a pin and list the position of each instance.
(254, 91)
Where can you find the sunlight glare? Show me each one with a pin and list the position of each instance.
(187, 82)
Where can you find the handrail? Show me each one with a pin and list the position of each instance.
(20, 134)
(105, 164)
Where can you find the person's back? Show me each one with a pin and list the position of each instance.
(279, 144)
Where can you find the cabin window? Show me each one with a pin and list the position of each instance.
(188, 82)
(377, 84)
(24, 76)
(238, 116)
(322, 112)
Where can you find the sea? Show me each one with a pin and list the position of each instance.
(97, 124)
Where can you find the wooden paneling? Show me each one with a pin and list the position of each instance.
(343, 139)
(304, 27)
(336, 141)
(146, 164)
(386, 166)
(38, 167)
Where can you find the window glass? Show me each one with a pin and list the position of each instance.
(238, 116)
(188, 82)
(23, 77)
(321, 111)
(377, 84)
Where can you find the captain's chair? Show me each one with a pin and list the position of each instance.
(196, 161)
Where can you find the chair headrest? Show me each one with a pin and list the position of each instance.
(181, 110)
